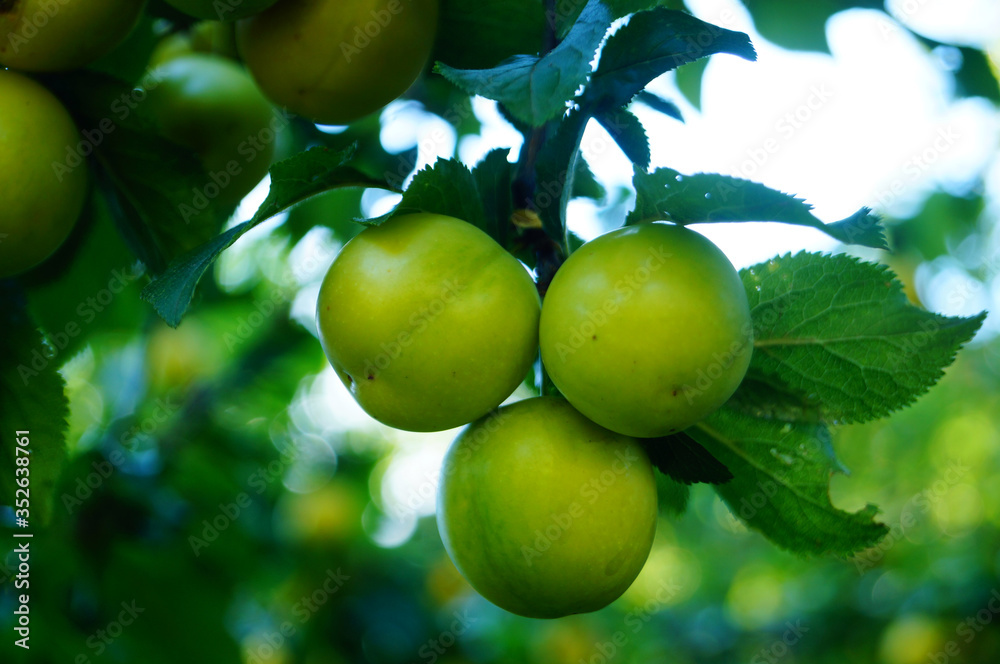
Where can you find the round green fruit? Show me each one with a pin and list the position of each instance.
(428, 321)
(38, 204)
(44, 35)
(221, 10)
(210, 105)
(334, 61)
(544, 512)
(646, 329)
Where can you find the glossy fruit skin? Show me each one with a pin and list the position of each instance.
(36, 35)
(647, 329)
(38, 207)
(335, 61)
(428, 321)
(221, 10)
(210, 105)
(545, 513)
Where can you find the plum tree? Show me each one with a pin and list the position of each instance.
(36, 35)
(221, 10)
(544, 512)
(39, 205)
(428, 321)
(210, 105)
(335, 62)
(646, 329)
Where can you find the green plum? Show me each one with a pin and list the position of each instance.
(39, 205)
(646, 329)
(335, 61)
(44, 35)
(545, 513)
(210, 105)
(428, 321)
(221, 10)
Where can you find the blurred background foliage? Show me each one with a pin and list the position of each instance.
(223, 485)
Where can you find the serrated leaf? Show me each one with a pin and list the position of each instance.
(445, 187)
(32, 399)
(653, 43)
(585, 184)
(684, 460)
(688, 80)
(492, 176)
(668, 195)
(535, 89)
(659, 104)
(628, 133)
(555, 171)
(476, 35)
(841, 332)
(780, 486)
(292, 180)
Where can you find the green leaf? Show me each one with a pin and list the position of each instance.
(841, 332)
(653, 43)
(535, 89)
(292, 180)
(493, 181)
(660, 104)
(555, 172)
(780, 486)
(33, 400)
(477, 35)
(688, 80)
(585, 184)
(567, 12)
(628, 133)
(672, 496)
(800, 25)
(685, 460)
(667, 195)
(446, 187)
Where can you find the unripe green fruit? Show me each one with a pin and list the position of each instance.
(221, 10)
(646, 329)
(335, 61)
(428, 321)
(209, 105)
(544, 512)
(43, 35)
(38, 206)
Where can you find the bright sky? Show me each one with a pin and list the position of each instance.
(875, 124)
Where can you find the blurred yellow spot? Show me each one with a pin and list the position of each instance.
(959, 510)
(331, 514)
(910, 640)
(755, 597)
(175, 358)
(970, 439)
(670, 576)
(566, 642)
(444, 582)
(264, 648)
